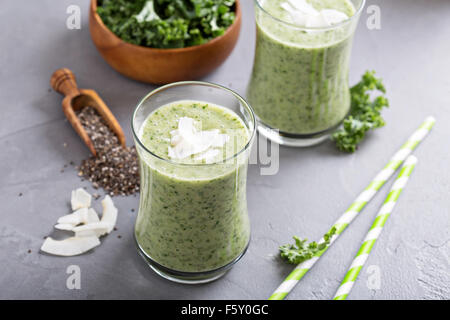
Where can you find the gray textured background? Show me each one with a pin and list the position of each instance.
(313, 187)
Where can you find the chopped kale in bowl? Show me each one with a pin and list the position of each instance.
(167, 23)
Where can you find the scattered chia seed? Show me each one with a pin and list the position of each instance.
(20, 194)
(29, 251)
(115, 169)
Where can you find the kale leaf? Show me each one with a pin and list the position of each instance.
(365, 113)
(167, 23)
(302, 251)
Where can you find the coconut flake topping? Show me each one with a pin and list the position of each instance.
(304, 14)
(187, 141)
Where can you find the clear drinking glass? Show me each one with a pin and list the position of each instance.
(299, 84)
(193, 223)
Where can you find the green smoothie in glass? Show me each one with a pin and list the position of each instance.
(299, 83)
(193, 216)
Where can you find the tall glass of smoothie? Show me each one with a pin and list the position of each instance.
(193, 141)
(299, 84)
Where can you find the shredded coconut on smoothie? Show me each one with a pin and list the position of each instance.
(304, 14)
(187, 141)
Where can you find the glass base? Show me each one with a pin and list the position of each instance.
(187, 277)
(294, 140)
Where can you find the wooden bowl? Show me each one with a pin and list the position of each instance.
(161, 66)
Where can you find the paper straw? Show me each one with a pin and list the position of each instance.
(375, 230)
(347, 217)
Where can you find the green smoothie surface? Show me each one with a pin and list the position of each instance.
(274, 7)
(156, 131)
(295, 36)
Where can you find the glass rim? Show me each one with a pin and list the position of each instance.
(292, 25)
(197, 83)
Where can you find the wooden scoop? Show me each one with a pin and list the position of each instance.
(63, 81)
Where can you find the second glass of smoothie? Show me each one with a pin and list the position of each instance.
(299, 84)
(193, 140)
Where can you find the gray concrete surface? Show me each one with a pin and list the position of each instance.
(313, 187)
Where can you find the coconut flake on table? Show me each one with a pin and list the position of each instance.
(82, 215)
(92, 216)
(75, 218)
(86, 235)
(187, 141)
(71, 246)
(304, 14)
(64, 226)
(109, 216)
(80, 199)
(97, 229)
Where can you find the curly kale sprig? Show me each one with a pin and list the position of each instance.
(302, 251)
(365, 113)
(167, 23)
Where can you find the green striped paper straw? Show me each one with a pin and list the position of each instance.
(347, 217)
(375, 230)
